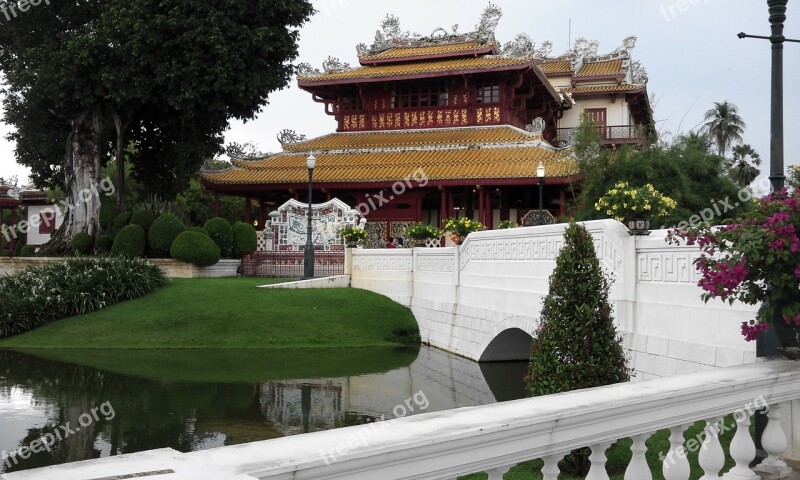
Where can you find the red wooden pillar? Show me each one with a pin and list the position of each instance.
(216, 204)
(562, 209)
(247, 204)
(262, 215)
(481, 205)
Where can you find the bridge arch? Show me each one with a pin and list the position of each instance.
(510, 344)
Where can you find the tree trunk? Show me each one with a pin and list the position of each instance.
(120, 126)
(82, 161)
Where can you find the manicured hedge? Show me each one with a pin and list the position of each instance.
(28, 251)
(143, 218)
(82, 243)
(74, 287)
(221, 232)
(162, 233)
(198, 229)
(195, 248)
(129, 242)
(245, 239)
(121, 221)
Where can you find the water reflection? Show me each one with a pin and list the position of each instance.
(196, 400)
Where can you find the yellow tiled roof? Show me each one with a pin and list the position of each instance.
(561, 66)
(434, 66)
(607, 67)
(453, 154)
(403, 52)
(414, 138)
(489, 163)
(611, 88)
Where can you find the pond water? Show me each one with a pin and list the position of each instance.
(68, 406)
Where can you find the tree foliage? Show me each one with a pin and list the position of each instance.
(724, 126)
(686, 171)
(167, 76)
(743, 169)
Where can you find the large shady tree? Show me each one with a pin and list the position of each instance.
(85, 78)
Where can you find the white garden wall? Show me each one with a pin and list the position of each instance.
(482, 300)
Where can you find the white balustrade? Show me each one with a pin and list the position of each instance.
(449, 444)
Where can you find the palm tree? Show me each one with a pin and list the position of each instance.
(744, 166)
(724, 126)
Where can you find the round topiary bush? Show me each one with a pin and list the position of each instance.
(28, 251)
(198, 230)
(129, 242)
(245, 239)
(195, 248)
(122, 220)
(221, 232)
(163, 232)
(143, 218)
(103, 243)
(82, 243)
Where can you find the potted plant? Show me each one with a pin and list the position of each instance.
(635, 206)
(505, 224)
(755, 259)
(422, 233)
(461, 227)
(353, 235)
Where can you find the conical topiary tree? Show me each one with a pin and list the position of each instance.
(576, 344)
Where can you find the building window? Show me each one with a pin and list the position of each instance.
(420, 96)
(47, 222)
(350, 104)
(488, 92)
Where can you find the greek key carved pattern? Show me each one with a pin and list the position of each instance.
(436, 263)
(675, 267)
(391, 263)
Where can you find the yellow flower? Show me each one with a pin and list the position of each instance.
(646, 206)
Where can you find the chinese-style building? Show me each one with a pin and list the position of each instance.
(448, 125)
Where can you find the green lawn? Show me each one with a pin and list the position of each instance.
(230, 313)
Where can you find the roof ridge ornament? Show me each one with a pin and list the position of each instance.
(288, 137)
(334, 65)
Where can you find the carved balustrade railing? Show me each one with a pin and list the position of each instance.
(493, 438)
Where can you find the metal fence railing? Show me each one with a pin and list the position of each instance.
(277, 263)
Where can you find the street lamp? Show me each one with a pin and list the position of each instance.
(308, 270)
(777, 15)
(540, 174)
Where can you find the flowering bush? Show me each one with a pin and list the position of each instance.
(755, 259)
(74, 287)
(462, 226)
(422, 231)
(505, 224)
(351, 233)
(624, 202)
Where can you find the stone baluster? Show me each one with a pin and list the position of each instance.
(711, 457)
(742, 449)
(774, 442)
(550, 470)
(638, 468)
(675, 465)
(598, 460)
(497, 473)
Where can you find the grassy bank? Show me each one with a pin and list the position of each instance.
(230, 313)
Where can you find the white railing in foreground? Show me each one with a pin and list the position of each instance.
(492, 438)
(495, 437)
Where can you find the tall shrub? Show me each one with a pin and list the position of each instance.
(162, 233)
(221, 232)
(576, 344)
(196, 248)
(245, 239)
(129, 242)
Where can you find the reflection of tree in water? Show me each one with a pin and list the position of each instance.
(148, 414)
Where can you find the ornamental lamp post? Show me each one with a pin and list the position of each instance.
(308, 264)
(540, 174)
(777, 15)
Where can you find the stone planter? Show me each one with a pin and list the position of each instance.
(638, 226)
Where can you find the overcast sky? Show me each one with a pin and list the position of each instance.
(689, 48)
